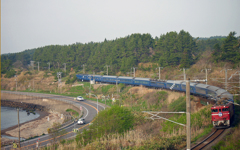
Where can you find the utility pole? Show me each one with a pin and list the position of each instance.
(16, 81)
(32, 64)
(38, 65)
(107, 68)
(18, 129)
(59, 79)
(64, 66)
(159, 73)
(89, 86)
(206, 74)
(134, 70)
(188, 105)
(131, 97)
(184, 74)
(206, 71)
(48, 66)
(84, 69)
(33, 84)
(226, 84)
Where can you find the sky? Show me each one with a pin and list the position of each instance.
(28, 24)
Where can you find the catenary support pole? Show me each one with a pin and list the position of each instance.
(38, 66)
(134, 71)
(18, 129)
(226, 79)
(188, 105)
(206, 75)
(184, 74)
(48, 66)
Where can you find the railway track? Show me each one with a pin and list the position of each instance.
(214, 135)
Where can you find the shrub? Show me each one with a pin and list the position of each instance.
(178, 105)
(10, 73)
(112, 120)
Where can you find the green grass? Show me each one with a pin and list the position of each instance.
(74, 113)
(179, 104)
(196, 120)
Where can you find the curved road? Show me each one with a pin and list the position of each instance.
(89, 109)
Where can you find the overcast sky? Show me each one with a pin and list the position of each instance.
(27, 24)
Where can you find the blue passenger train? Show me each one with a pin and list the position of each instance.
(203, 90)
(211, 92)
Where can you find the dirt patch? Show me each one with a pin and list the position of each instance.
(141, 91)
(37, 127)
(173, 96)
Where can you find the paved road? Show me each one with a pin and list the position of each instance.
(89, 108)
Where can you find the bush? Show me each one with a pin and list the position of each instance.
(178, 105)
(112, 120)
(10, 73)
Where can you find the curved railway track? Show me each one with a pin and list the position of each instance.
(208, 140)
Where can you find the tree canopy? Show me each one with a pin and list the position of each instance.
(171, 49)
(228, 51)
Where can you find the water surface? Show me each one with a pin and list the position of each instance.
(9, 117)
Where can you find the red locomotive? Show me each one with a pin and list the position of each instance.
(222, 113)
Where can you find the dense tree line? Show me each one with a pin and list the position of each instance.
(170, 49)
(121, 54)
(228, 51)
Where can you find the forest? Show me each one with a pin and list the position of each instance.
(169, 50)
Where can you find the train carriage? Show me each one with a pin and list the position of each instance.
(97, 78)
(201, 89)
(84, 77)
(192, 87)
(158, 84)
(174, 85)
(212, 91)
(125, 80)
(142, 81)
(109, 79)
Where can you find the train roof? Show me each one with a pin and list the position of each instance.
(202, 85)
(97, 76)
(81, 74)
(213, 88)
(220, 91)
(191, 83)
(109, 76)
(121, 77)
(222, 103)
(173, 81)
(146, 79)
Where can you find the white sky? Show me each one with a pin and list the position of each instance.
(27, 24)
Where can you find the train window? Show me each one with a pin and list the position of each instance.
(200, 90)
(161, 84)
(225, 109)
(214, 110)
(220, 110)
(183, 87)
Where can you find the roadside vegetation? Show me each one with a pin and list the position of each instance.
(74, 113)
